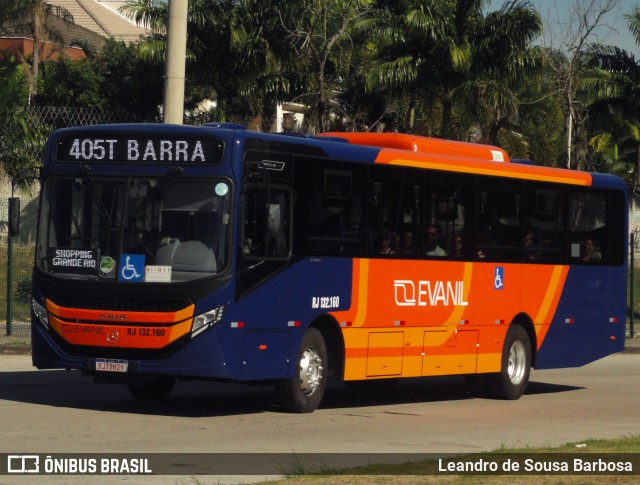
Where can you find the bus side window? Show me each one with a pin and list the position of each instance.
(588, 231)
(394, 205)
(265, 244)
(330, 208)
(544, 222)
(277, 225)
(266, 223)
(450, 202)
(617, 212)
(499, 215)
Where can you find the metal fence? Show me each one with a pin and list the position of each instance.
(15, 307)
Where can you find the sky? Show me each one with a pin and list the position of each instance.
(556, 17)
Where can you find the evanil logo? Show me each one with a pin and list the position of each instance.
(429, 293)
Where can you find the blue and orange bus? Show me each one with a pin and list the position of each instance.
(213, 252)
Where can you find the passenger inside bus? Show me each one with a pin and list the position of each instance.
(434, 237)
(458, 249)
(589, 252)
(384, 243)
(531, 244)
(405, 242)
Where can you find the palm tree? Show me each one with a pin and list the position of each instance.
(213, 70)
(318, 35)
(612, 85)
(33, 16)
(445, 51)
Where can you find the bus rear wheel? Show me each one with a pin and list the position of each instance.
(303, 393)
(513, 378)
(152, 389)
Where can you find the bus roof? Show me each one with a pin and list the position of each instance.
(424, 144)
(458, 156)
(378, 148)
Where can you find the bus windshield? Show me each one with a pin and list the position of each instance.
(163, 229)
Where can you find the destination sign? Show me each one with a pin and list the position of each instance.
(135, 148)
(75, 261)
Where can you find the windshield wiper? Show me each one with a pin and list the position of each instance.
(173, 172)
(102, 209)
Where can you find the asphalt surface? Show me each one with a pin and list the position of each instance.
(559, 407)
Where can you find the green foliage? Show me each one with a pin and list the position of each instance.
(447, 68)
(22, 138)
(128, 82)
(611, 86)
(15, 90)
(116, 79)
(451, 52)
(71, 83)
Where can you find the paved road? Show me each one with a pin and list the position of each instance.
(56, 411)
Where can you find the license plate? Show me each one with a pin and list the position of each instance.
(112, 365)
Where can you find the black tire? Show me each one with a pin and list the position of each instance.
(153, 389)
(512, 380)
(303, 393)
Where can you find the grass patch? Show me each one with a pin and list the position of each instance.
(421, 472)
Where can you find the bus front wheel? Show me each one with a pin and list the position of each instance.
(303, 393)
(512, 380)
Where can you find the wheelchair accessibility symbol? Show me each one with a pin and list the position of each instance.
(498, 280)
(131, 267)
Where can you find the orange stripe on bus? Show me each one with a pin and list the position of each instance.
(109, 316)
(460, 165)
(118, 329)
(119, 336)
(550, 301)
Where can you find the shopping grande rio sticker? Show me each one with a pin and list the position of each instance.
(73, 261)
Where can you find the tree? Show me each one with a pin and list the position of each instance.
(541, 118)
(612, 88)
(318, 34)
(210, 71)
(446, 51)
(73, 84)
(129, 83)
(115, 79)
(585, 20)
(33, 16)
(22, 138)
(265, 78)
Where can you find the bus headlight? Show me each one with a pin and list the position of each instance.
(40, 312)
(206, 320)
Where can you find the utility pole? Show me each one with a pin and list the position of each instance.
(173, 104)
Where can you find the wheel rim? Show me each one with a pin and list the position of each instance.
(517, 362)
(310, 371)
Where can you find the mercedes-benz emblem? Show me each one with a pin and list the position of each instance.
(113, 336)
